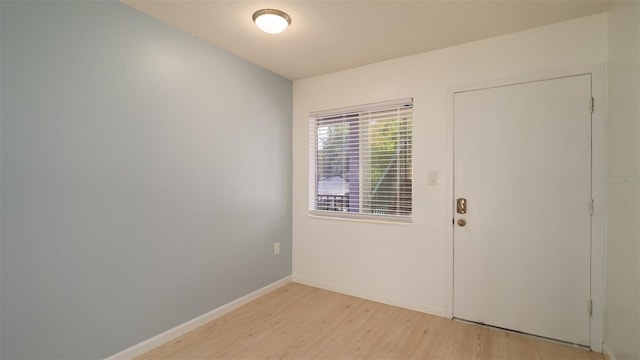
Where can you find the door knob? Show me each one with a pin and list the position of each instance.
(462, 222)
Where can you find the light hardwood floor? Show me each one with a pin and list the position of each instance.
(302, 322)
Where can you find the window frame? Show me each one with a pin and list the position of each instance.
(342, 115)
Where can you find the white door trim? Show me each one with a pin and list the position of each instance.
(598, 176)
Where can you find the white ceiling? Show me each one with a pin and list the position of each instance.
(327, 36)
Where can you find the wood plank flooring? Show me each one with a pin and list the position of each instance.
(302, 322)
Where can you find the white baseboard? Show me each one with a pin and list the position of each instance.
(429, 309)
(608, 354)
(154, 342)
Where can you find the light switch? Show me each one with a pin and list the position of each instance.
(432, 177)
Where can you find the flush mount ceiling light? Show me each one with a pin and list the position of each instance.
(271, 21)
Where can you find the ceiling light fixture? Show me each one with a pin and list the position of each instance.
(271, 21)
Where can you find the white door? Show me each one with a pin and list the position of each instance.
(523, 164)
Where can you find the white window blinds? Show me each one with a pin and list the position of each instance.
(361, 161)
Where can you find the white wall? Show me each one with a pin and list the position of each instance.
(410, 265)
(622, 320)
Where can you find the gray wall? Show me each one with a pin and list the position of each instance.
(622, 317)
(145, 178)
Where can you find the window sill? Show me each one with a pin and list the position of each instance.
(402, 221)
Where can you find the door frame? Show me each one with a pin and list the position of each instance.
(598, 181)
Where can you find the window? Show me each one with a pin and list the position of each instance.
(361, 161)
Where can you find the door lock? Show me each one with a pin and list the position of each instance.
(462, 222)
(461, 206)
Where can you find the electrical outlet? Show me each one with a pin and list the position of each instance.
(276, 248)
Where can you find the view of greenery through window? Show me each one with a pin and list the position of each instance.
(332, 151)
(365, 160)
